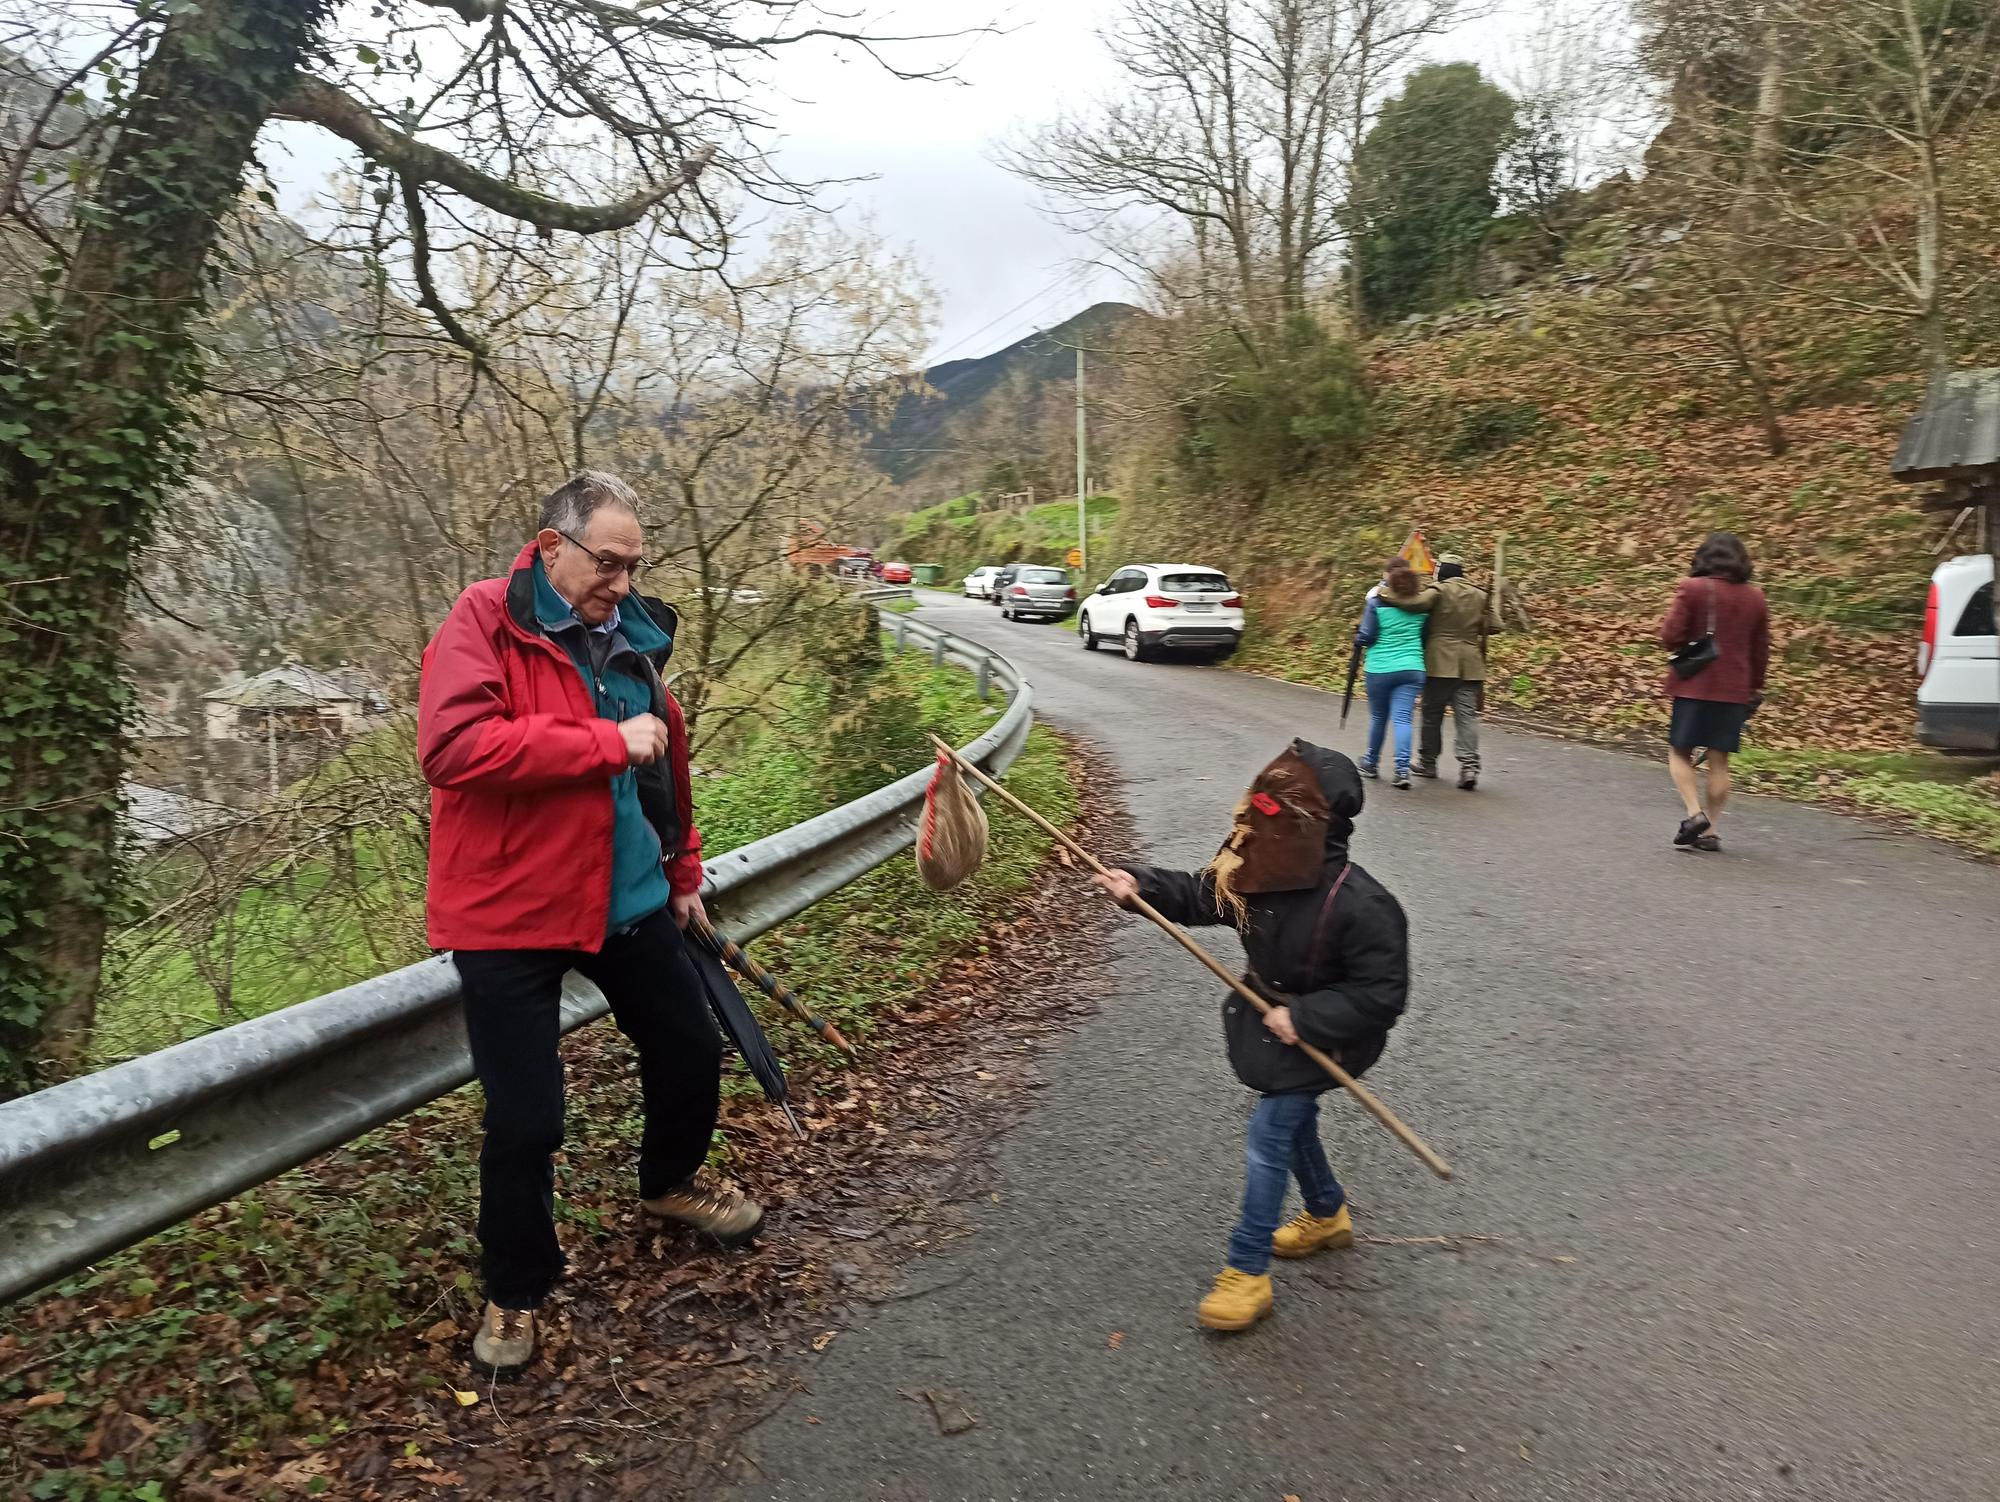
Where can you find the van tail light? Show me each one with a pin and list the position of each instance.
(1928, 650)
(1161, 602)
(1234, 602)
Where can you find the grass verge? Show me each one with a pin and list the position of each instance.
(1953, 798)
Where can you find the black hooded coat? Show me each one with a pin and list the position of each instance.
(1339, 959)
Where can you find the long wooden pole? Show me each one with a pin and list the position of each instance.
(732, 955)
(1348, 1082)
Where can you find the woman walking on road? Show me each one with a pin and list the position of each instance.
(1392, 629)
(1719, 630)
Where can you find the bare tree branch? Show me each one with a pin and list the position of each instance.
(319, 103)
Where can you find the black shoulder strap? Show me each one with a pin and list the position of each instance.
(1326, 912)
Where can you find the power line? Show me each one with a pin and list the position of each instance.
(1075, 274)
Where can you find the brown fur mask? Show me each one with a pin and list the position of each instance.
(1279, 841)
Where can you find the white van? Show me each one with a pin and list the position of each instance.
(1958, 702)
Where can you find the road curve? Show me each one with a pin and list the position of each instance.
(1727, 1137)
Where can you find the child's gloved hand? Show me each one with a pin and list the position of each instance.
(1121, 885)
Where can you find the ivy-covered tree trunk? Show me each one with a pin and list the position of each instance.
(94, 419)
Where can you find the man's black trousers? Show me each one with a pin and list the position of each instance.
(512, 1017)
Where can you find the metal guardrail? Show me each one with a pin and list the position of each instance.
(96, 1164)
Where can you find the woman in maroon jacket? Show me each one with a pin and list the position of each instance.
(1715, 690)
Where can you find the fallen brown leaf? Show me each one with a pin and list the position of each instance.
(45, 1400)
(950, 1415)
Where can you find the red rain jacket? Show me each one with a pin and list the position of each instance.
(519, 764)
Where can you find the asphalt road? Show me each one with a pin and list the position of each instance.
(1728, 1129)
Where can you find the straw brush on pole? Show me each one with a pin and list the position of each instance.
(1354, 1087)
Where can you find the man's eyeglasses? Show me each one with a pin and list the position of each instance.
(610, 568)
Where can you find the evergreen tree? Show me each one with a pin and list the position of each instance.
(1424, 189)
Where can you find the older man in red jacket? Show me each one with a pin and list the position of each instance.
(563, 838)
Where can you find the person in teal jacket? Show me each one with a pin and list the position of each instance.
(1392, 629)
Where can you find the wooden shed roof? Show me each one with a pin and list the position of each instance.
(1955, 434)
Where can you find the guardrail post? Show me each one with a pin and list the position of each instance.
(937, 652)
(985, 678)
(901, 631)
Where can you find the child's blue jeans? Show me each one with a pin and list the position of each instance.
(1284, 1144)
(1392, 697)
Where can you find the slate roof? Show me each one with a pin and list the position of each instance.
(288, 686)
(1955, 434)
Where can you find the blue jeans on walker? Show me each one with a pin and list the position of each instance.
(1284, 1144)
(1391, 697)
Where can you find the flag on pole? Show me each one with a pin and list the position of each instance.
(1417, 553)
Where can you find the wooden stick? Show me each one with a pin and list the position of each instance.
(1354, 1087)
(733, 956)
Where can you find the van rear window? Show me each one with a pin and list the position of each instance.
(1978, 619)
(1194, 584)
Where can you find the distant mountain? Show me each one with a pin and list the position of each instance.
(950, 431)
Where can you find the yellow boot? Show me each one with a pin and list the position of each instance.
(1237, 1301)
(1305, 1233)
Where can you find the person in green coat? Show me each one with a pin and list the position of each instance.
(1392, 629)
(1455, 670)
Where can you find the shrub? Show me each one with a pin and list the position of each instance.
(1487, 427)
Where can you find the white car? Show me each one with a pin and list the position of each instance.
(1958, 702)
(979, 583)
(1153, 607)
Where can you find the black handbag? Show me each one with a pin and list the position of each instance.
(1695, 657)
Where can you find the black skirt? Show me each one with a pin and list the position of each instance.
(1705, 723)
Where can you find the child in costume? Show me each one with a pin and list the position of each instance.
(1329, 948)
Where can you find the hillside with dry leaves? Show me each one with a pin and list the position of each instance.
(1585, 420)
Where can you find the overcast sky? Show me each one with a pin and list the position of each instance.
(999, 266)
(975, 229)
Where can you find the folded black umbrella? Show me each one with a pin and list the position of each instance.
(739, 1024)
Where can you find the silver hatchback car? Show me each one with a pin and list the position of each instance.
(1039, 592)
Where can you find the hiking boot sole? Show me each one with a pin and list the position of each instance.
(720, 1238)
(1332, 1243)
(1218, 1322)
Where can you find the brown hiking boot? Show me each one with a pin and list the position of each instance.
(506, 1340)
(1237, 1301)
(702, 1204)
(1305, 1233)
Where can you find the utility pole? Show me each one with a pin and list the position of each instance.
(1082, 511)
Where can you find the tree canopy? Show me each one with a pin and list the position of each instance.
(1424, 189)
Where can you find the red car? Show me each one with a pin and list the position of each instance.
(896, 573)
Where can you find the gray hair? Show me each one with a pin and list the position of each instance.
(571, 505)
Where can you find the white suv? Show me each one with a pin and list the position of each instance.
(1958, 702)
(1171, 606)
